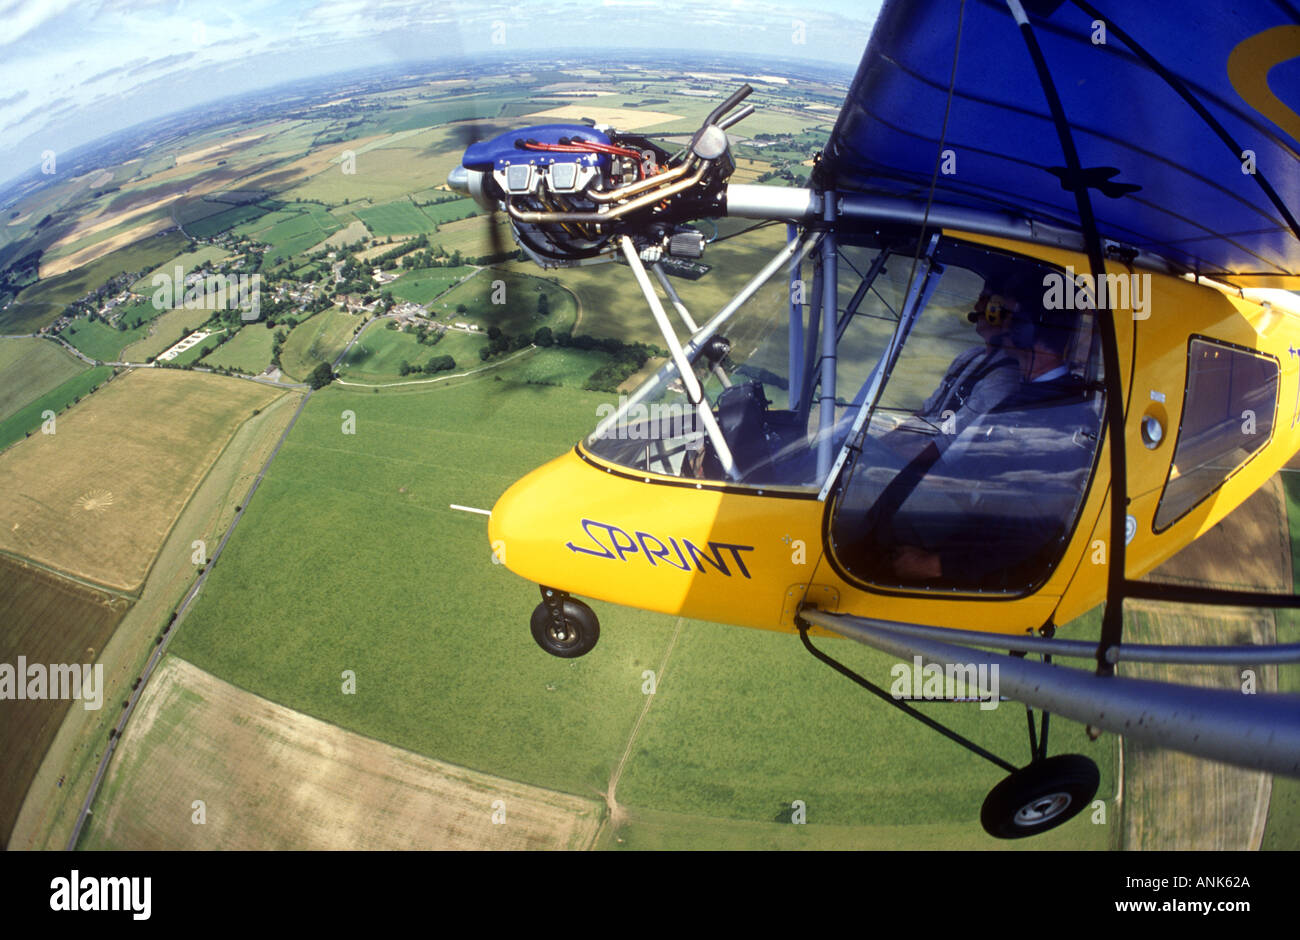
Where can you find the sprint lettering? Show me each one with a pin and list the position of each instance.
(609, 541)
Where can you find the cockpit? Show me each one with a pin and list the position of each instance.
(950, 413)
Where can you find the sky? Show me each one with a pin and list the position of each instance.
(72, 71)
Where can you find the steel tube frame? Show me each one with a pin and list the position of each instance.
(1083, 649)
(694, 391)
(1259, 732)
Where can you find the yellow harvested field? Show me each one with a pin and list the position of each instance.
(625, 119)
(273, 778)
(99, 249)
(100, 223)
(194, 155)
(1173, 800)
(97, 498)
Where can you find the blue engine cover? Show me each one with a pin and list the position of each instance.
(500, 151)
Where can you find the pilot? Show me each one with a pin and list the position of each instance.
(981, 377)
(1036, 414)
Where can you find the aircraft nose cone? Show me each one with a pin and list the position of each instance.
(458, 179)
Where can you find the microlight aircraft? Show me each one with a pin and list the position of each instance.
(1030, 334)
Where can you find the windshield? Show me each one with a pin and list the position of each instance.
(759, 373)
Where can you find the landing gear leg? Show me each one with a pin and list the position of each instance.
(563, 626)
(1042, 796)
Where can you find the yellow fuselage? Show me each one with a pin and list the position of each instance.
(749, 557)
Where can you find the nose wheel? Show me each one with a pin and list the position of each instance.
(563, 626)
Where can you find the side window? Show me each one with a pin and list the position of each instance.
(1228, 414)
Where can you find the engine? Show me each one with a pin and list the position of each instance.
(571, 189)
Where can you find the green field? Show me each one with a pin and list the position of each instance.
(744, 722)
(27, 419)
(422, 285)
(380, 353)
(396, 218)
(318, 339)
(29, 368)
(518, 314)
(43, 301)
(1283, 828)
(100, 341)
(225, 220)
(249, 350)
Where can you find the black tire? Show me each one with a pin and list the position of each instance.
(573, 637)
(1040, 797)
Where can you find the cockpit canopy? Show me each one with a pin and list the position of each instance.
(956, 433)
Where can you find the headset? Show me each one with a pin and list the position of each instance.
(997, 311)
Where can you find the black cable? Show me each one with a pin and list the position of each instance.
(1183, 92)
(1112, 623)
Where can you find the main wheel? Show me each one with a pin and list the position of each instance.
(1040, 797)
(572, 635)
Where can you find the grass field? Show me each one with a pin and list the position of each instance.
(98, 497)
(29, 418)
(272, 778)
(380, 352)
(318, 339)
(47, 619)
(743, 722)
(100, 341)
(249, 350)
(518, 314)
(397, 218)
(422, 285)
(29, 368)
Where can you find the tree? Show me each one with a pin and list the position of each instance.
(543, 305)
(321, 376)
(404, 368)
(543, 337)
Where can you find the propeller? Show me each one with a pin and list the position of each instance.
(469, 132)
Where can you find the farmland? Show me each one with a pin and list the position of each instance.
(29, 418)
(272, 778)
(28, 369)
(100, 494)
(48, 619)
(318, 339)
(703, 750)
(48, 814)
(249, 350)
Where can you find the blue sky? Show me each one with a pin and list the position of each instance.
(72, 71)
